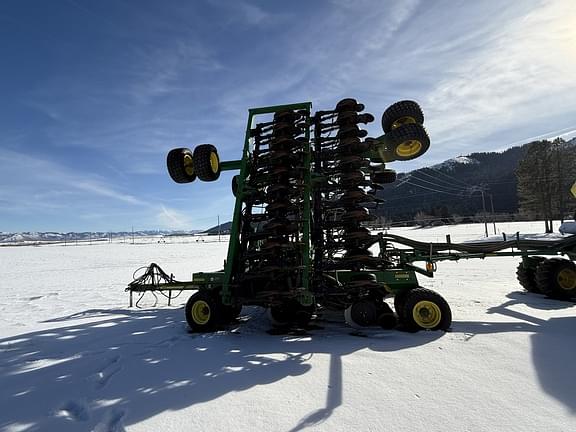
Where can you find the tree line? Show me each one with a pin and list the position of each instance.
(545, 175)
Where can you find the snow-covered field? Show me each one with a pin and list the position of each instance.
(74, 357)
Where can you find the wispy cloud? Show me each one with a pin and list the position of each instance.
(172, 219)
(160, 70)
(91, 132)
(517, 78)
(26, 176)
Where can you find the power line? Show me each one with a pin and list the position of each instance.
(435, 190)
(450, 177)
(451, 183)
(441, 186)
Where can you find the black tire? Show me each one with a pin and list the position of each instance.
(425, 309)
(362, 313)
(387, 319)
(401, 113)
(203, 312)
(400, 301)
(235, 185)
(556, 278)
(407, 142)
(206, 162)
(180, 163)
(526, 273)
(384, 176)
(230, 313)
(290, 313)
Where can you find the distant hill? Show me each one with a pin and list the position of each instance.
(55, 237)
(454, 187)
(224, 229)
(450, 188)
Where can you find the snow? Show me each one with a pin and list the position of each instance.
(458, 160)
(74, 357)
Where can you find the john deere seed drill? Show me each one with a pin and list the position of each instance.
(299, 244)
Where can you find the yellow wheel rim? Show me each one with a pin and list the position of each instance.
(427, 314)
(214, 162)
(409, 148)
(567, 279)
(200, 312)
(188, 165)
(402, 121)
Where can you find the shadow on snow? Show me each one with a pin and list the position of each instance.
(552, 341)
(131, 365)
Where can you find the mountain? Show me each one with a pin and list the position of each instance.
(455, 186)
(55, 237)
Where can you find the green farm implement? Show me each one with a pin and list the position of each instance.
(298, 242)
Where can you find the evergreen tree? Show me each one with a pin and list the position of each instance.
(544, 178)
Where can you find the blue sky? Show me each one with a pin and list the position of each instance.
(94, 93)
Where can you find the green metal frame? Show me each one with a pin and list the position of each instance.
(305, 297)
(396, 276)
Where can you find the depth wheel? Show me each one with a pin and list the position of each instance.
(526, 273)
(203, 312)
(401, 113)
(362, 313)
(425, 309)
(407, 142)
(557, 278)
(206, 162)
(289, 313)
(180, 164)
(230, 313)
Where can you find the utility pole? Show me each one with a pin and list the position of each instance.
(481, 189)
(218, 228)
(484, 209)
(493, 218)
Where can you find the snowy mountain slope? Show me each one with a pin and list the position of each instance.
(73, 357)
(449, 164)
